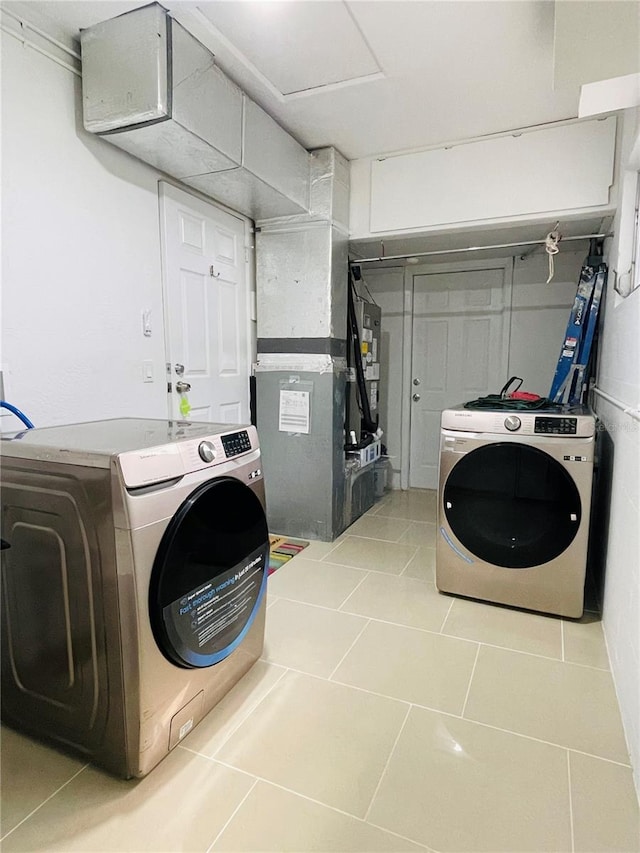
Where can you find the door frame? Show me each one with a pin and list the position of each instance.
(503, 264)
(165, 186)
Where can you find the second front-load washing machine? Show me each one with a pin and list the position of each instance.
(513, 506)
(133, 587)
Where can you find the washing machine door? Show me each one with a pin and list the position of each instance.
(209, 574)
(512, 505)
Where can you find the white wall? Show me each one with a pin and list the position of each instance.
(81, 257)
(619, 377)
(539, 314)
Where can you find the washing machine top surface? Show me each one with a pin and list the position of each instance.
(560, 421)
(138, 440)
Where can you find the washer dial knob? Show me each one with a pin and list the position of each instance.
(512, 423)
(207, 451)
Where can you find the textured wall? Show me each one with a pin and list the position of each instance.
(81, 257)
(619, 376)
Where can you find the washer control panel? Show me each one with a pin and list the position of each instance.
(556, 426)
(236, 443)
(512, 423)
(207, 451)
(557, 421)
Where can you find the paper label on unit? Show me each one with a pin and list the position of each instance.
(295, 411)
(373, 402)
(206, 620)
(185, 729)
(367, 335)
(374, 349)
(372, 371)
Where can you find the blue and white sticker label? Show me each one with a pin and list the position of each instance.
(207, 620)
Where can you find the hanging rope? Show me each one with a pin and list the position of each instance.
(551, 248)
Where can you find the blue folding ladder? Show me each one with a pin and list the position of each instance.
(571, 374)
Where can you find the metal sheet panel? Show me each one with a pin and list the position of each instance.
(339, 279)
(329, 195)
(173, 108)
(171, 148)
(304, 473)
(274, 156)
(294, 281)
(205, 101)
(125, 70)
(244, 192)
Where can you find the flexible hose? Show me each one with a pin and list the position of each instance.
(25, 420)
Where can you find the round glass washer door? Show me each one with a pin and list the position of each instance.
(512, 505)
(209, 574)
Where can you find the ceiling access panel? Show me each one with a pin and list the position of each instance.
(152, 89)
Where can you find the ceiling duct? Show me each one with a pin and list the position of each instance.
(149, 87)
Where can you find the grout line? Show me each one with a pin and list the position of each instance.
(259, 778)
(233, 814)
(441, 632)
(334, 545)
(309, 799)
(396, 541)
(316, 606)
(37, 808)
(387, 762)
(444, 621)
(573, 845)
(240, 719)
(466, 698)
(435, 710)
(529, 654)
(357, 586)
(540, 740)
(337, 666)
(408, 520)
(402, 837)
(598, 757)
(406, 565)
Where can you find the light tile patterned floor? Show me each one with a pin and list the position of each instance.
(383, 717)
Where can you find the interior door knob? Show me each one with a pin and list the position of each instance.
(182, 387)
(415, 398)
(416, 381)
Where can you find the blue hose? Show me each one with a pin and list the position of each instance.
(25, 420)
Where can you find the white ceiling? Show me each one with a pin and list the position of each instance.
(378, 76)
(373, 76)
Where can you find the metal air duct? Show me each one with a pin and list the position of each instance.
(152, 89)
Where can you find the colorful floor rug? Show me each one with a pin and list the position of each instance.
(282, 549)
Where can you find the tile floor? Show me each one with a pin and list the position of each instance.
(383, 717)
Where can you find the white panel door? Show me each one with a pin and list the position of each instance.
(206, 308)
(460, 350)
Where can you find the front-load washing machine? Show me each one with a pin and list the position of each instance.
(133, 587)
(513, 506)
